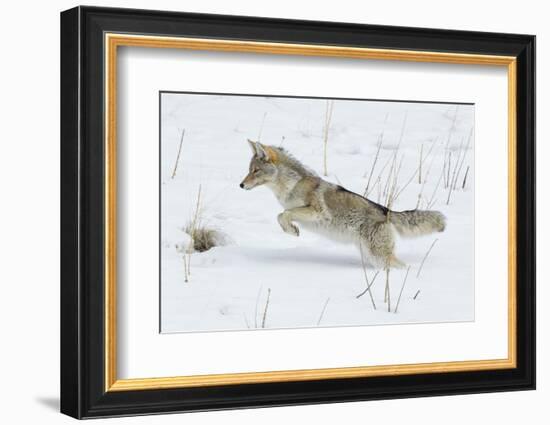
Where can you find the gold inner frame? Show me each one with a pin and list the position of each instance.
(113, 41)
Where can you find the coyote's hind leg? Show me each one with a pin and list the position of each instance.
(379, 240)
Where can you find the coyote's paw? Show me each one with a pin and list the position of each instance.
(292, 230)
(396, 263)
(287, 226)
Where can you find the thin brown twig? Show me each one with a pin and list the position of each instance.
(328, 118)
(430, 203)
(323, 311)
(388, 288)
(451, 129)
(465, 177)
(266, 307)
(448, 176)
(179, 153)
(368, 288)
(459, 156)
(415, 172)
(424, 182)
(420, 165)
(393, 189)
(402, 287)
(262, 127)
(193, 228)
(394, 158)
(379, 178)
(185, 272)
(380, 140)
(424, 259)
(256, 307)
(365, 273)
(465, 152)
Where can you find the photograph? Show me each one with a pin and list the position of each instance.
(281, 212)
(359, 188)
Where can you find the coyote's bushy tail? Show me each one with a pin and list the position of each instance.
(417, 222)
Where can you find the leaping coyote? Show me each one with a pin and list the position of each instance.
(333, 211)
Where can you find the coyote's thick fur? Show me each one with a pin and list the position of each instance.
(330, 209)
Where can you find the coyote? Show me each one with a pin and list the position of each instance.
(333, 211)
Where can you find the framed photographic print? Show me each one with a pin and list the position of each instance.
(261, 212)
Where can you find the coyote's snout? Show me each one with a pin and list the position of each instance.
(330, 209)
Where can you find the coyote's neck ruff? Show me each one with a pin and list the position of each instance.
(331, 210)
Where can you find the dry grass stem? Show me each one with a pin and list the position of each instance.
(179, 153)
(328, 118)
(366, 276)
(461, 156)
(464, 153)
(368, 288)
(401, 292)
(424, 259)
(422, 188)
(420, 164)
(388, 300)
(323, 311)
(394, 169)
(445, 171)
(391, 184)
(261, 127)
(416, 172)
(424, 183)
(452, 178)
(373, 166)
(185, 271)
(379, 178)
(446, 159)
(192, 231)
(432, 199)
(266, 307)
(379, 191)
(448, 176)
(465, 177)
(256, 307)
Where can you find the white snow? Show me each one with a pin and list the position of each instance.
(228, 285)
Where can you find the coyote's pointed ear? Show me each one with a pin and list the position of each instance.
(261, 151)
(252, 146)
(266, 153)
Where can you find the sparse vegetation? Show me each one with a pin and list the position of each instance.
(373, 166)
(204, 238)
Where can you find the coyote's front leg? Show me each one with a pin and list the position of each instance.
(286, 218)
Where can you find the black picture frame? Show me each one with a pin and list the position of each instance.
(83, 392)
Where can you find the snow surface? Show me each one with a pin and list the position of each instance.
(309, 277)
